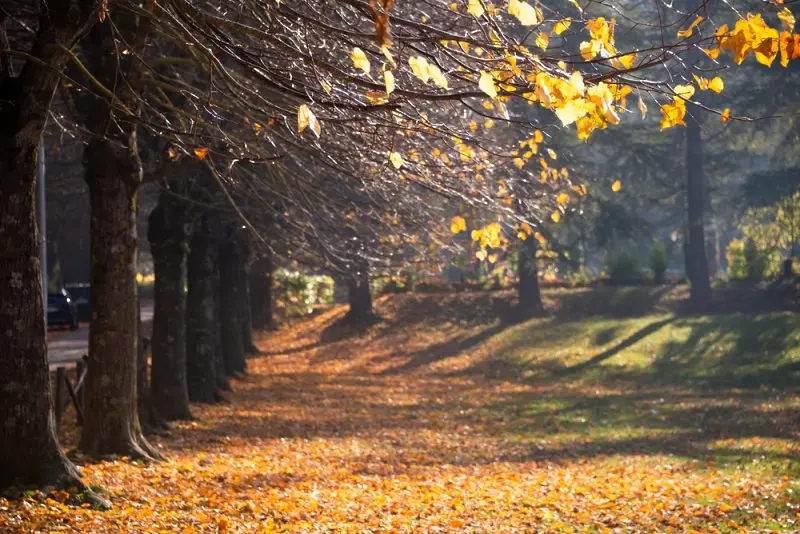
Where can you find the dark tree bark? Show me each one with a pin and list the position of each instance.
(202, 326)
(230, 306)
(243, 279)
(113, 173)
(359, 294)
(168, 244)
(262, 303)
(530, 298)
(29, 451)
(696, 262)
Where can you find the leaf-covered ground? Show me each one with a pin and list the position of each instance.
(443, 419)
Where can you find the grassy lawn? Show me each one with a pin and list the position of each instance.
(612, 414)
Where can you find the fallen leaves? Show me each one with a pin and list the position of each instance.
(322, 437)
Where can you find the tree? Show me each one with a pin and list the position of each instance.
(29, 451)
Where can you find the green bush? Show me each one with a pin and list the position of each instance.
(755, 260)
(621, 267)
(737, 264)
(658, 260)
(297, 293)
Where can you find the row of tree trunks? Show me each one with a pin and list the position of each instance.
(230, 286)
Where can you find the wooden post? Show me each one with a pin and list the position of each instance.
(58, 402)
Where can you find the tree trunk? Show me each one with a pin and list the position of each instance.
(700, 287)
(29, 450)
(262, 304)
(530, 298)
(230, 308)
(168, 243)
(111, 421)
(359, 294)
(202, 326)
(243, 292)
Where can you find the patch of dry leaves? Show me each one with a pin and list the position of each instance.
(376, 433)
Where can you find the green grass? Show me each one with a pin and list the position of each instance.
(719, 389)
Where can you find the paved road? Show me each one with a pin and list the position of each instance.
(69, 347)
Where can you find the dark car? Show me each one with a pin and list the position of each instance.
(61, 309)
(82, 295)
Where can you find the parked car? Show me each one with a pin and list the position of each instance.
(61, 309)
(82, 294)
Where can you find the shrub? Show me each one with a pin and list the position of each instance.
(297, 293)
(621, 267)
(737, 264)
(755, 260)
(658, 260)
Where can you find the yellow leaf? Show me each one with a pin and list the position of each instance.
(201, 153)
(642, 107)
(627, 60)
(538, 136)
(492, 259)
(552, 153)
(306, 119)
(475, 8)
(561, 26)
(519, 163)
(481, 255)
(458, 224)
(524, 12)
(716, 84)
(616, 186)
(673, 113)
(388, 55)
(325, 85)
(688, 31)
(396, 159)
(684, 91)
(360, 60)
(437, 76)
(562, 198)
(787, 18)
(556, 216)
(419, 67)
(473, 126)
(488, 123)
(725, 115)
(712, 53)
(223, 523)
(590, 49)
(486, 84)
(388, 79)
(542, 41)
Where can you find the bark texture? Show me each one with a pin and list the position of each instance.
(696, 261)
(359, 294)
(230, 272)
(29, 451)
(530, 298)
(202, 327)
(262, 303)
(113, 174)
(168, 244)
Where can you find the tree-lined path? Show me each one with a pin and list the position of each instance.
(466, 424)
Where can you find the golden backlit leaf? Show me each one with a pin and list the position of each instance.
(396, 159)
(487, 85)
(688, 31)
(360, 60)
(388, 80)
(524, 12)
(458, 224)
(561, 26)
(307, 119)
(725, 115)
(542, 40)
(616, 186)
(555, 216)
(787, 18)
(201, 152)
(475, 8)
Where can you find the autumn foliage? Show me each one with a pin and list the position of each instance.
(417, 427)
